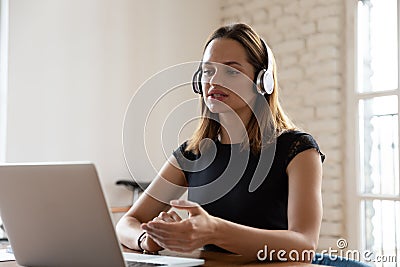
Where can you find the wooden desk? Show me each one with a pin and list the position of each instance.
(211, 259)
(223, 259)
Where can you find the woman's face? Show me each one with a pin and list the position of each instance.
(227, 77)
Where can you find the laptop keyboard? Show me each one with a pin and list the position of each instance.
(137, 259)
(142, 264)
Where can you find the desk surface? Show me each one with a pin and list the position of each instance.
(223, 259)
(211, 259)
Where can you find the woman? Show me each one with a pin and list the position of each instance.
(265, 175)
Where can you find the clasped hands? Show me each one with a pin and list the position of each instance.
(170, 231)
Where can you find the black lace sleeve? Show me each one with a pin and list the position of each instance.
(182, 156)
(302, 143)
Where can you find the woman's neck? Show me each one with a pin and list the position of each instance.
(233, 127)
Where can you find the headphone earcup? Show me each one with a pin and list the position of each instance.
(196, 82)
(264, 82)
(268, 81)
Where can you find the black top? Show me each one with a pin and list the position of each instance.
(228, 184)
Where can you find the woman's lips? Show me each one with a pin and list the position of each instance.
(218, 95)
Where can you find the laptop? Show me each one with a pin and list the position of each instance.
(55, 214)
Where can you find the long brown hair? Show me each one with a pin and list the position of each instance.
(257, 129)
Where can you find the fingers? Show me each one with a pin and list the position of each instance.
(160, 237)
(162, 230)
(158, 232)
(170, 216)
(170, 231)
(175, 216)
(164, 216)
(192, 207)
(171, 243)
(183, 204)
(182, 227)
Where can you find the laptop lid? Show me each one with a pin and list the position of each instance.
(56, 215)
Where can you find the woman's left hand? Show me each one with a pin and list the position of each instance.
(186, 235)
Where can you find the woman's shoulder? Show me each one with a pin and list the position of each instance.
(182, 152)
(291, 136)
(292, 133)
(297, 141)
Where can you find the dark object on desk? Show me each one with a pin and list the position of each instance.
(3, 236)
(135, 187)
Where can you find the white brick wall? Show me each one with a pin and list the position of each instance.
(308, 41)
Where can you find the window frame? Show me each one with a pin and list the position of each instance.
(351, 142)
(353, 196)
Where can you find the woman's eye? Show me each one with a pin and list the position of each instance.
(233, 72)
(208, 72)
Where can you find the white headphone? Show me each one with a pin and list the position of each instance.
(265, 78)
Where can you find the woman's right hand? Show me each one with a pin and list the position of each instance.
(148, 243)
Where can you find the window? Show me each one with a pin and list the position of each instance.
(376, 103)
